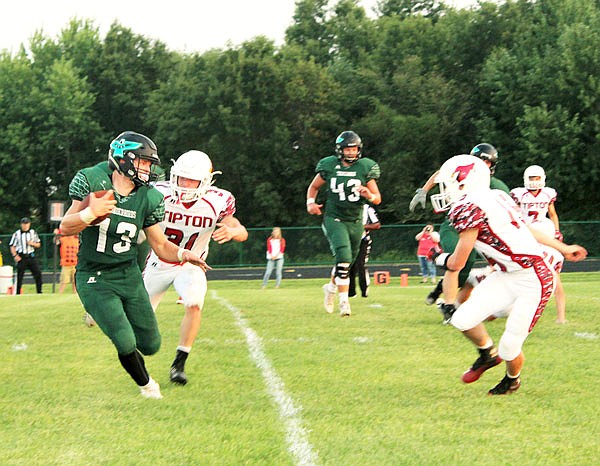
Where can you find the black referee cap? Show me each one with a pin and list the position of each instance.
(25, 220)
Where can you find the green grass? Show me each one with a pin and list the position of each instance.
(379, 388)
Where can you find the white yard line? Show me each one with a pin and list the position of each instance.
(289, 412)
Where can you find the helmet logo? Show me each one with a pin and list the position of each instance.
(122, 146)
(462, 172)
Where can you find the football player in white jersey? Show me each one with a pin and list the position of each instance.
(537, 204)
(195, 212)
(489, 221)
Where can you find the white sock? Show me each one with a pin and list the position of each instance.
(185, 349)
(343, 295)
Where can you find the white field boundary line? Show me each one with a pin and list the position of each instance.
(289, 412)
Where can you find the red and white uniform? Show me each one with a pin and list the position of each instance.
(190, 226)
(523, 279)
(534, 206)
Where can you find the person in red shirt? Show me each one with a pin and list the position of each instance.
(429, 242)
(275, 250)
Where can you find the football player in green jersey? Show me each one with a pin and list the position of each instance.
(109, 281)
(350, 181)
(448, 235)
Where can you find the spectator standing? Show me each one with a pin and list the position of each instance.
(275, 251)
(359, 266)
(23, 244)
(429, 243)
(69, 247)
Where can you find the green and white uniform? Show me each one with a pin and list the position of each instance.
(342, 219)
(109, 281)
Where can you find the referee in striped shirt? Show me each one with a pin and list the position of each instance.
(23, 244)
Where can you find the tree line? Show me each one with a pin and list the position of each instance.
(419, 82)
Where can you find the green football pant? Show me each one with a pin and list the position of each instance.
(344, 238)
(448, 242)
(119, 303)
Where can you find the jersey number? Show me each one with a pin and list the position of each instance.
(352, 183)
(127, 231)
(176, 237)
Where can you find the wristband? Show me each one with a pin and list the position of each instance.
(87, 216)
(372, 198)
(310, 200)
(180, 252)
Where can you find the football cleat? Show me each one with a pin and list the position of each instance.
(506, 386)
(435, 294)
(151, 390)
(329, 300)
(177, 375)
(487, 359)
(447, 311)
(88, 320)
(345, 309)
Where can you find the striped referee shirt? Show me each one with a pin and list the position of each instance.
(20, 239)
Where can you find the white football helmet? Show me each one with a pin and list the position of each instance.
(534, 170)
(458, 176)
(195, 165)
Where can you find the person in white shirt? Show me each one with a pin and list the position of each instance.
(275, 250)
(536, 201)
(489, 221)
(195, 212)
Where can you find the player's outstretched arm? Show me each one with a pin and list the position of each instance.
(170, 252)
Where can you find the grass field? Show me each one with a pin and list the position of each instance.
(274, 380)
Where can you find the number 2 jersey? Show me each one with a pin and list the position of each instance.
(190, 225)
(113, 243)
(343, 201)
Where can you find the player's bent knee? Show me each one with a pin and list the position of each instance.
(150, 347)
(510, 345)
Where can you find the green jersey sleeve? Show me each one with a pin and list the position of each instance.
(79, 187)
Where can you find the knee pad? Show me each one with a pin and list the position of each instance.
(342, 270)
(342, 273)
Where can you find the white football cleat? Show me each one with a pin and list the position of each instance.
(151, 390)
(345, 309)
(88, 320)
(329, 301)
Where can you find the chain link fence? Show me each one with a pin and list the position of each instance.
(307, 246)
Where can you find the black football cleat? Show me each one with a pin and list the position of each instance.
(177, 375)
(435, 294)
(487, 359)
(506, 386)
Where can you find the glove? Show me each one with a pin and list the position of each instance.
(440, 259)
(447, 311)
(420, 197)
(558, 235)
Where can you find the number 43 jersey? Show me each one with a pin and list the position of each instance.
(190, 225)
(343, 200)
